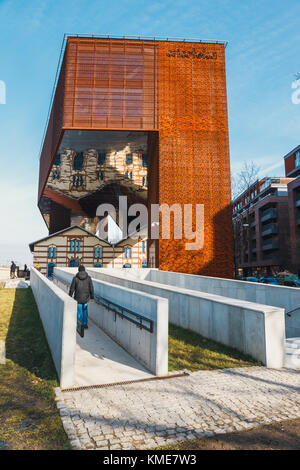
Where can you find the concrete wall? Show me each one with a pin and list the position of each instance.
(255, 329)
(58, 314)
(151, 349)
(277, 296)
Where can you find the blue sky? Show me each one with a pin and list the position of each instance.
(262, 58)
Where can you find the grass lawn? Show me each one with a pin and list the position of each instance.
(188, 350)
(28, 415)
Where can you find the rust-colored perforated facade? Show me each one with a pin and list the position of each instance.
(177, 92)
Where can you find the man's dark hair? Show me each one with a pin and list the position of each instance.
(81, 268)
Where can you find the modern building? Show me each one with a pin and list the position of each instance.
(262, 229)
(292, 169)
(292, 163)
(147, 119)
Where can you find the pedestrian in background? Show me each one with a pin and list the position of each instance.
(12, 270)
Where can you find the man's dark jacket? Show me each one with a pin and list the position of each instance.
(83, 287)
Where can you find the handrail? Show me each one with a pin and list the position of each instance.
(291, 311)
(114, 307)
(123, 312)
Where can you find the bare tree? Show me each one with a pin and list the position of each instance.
(235, 190)
(247, 176)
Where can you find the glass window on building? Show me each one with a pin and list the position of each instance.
(101, 158)
(100, 175)
(127, 252)
(77, 181)
(128, 158)
(57, 160)
(56, 175)
(75, 246)
(52, 252)
(144, 160)
(98, 252)
(297, 159)
(78, 161)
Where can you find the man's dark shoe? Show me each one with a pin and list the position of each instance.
(85, 326)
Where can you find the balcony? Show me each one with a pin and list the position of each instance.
(268, 256)
(270, 245)
(269, 230)
(268, 215)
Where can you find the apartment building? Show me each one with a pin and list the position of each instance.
(261, 227)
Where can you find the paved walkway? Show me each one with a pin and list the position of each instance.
(154, 413)
(100, 360)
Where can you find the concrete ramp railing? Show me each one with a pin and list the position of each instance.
(58, 314)
(149, 348)
(254, 329)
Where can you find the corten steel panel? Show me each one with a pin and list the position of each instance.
(194, 163)
(110, 84)
(103, 84)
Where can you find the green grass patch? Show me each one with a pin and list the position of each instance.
(189, 350)
(29, 418)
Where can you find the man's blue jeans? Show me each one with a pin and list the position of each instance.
(82, 314)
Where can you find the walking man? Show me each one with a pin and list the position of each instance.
(83, 288)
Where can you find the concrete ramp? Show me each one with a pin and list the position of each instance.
(127, 338)
(253, 328)
(99, 360)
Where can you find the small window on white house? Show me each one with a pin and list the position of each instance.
(52, 252)
(127, 252)
(75, 246)
(98, 252)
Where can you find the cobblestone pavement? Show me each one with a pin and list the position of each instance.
(162, 412)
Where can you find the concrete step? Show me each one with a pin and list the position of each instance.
(292, 343)
(292, 362)
(292, 353)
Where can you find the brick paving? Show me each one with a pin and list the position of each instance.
(149, 414)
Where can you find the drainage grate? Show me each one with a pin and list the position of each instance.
(125, 382)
